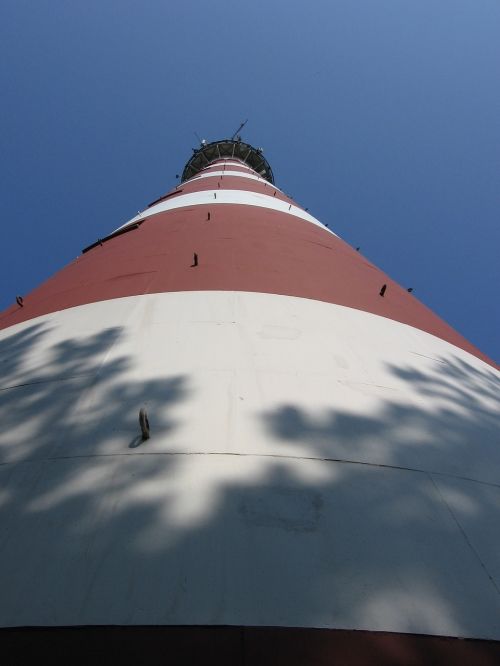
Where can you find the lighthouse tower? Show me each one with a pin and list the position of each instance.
(316, 475)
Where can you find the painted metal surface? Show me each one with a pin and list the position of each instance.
(217, 173)
(215, 166)
(249, 197)
(228, 163)
(240, 248)
(238, 183)
(310, 465)
(321, 456)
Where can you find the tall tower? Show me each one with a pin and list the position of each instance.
(321, 483)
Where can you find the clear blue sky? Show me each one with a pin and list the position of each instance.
(383, 117)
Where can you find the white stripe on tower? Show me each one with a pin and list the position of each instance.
(237, 174)
(220, 197)
(302, 382)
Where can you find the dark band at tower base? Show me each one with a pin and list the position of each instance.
(237, 646)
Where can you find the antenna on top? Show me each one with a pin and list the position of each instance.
(235, 135)
(203, 142)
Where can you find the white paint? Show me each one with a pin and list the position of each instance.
(230, 162)
(222, 165)
(237, 174)
(230, 514)
(240, 197)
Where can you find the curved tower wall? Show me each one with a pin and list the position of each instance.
(322, 456)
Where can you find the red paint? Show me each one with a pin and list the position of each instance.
(228, 167)
(234, 183)
(238, 646)
(230, 160)
(241, 248)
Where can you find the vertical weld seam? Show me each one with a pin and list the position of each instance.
(464, 534)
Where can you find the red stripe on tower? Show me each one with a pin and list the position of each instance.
(250, 245)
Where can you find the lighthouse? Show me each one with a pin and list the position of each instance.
(227, 437)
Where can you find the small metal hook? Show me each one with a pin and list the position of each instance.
(144, 423)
